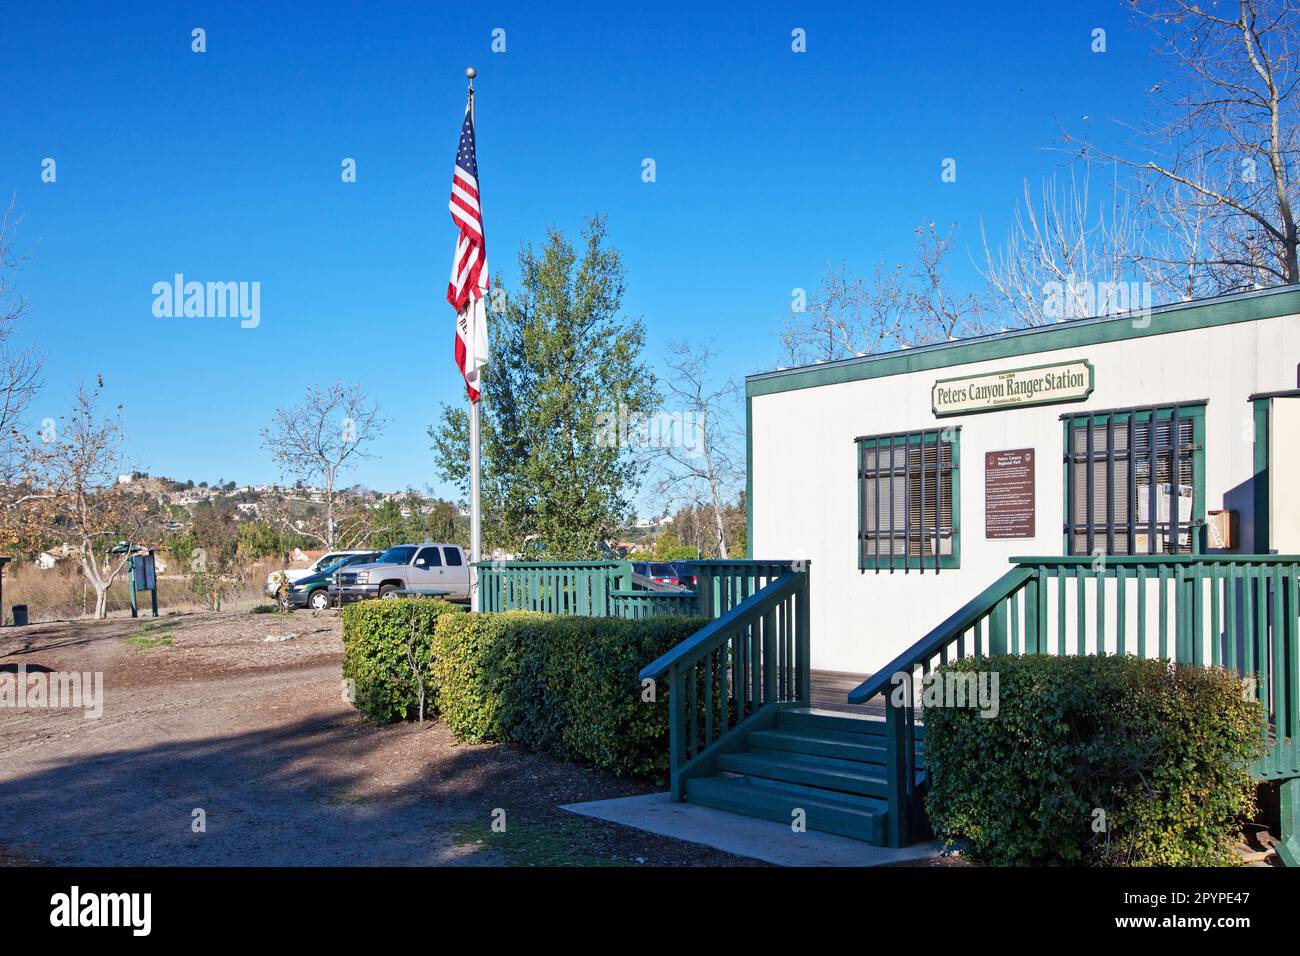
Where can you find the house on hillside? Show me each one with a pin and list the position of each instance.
(50, 559)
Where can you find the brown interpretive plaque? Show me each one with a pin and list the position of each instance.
(1009, 494)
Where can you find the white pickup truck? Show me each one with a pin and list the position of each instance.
(406, 567)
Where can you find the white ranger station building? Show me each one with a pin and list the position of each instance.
(910, 479)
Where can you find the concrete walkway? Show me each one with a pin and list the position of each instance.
(747, 836)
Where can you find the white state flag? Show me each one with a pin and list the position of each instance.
(472, 343)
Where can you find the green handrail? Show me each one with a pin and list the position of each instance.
(987, 611)
(1239, 611)
(732, 673)
(985, 604)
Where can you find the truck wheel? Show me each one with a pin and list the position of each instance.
(388, 592)
(319, 600)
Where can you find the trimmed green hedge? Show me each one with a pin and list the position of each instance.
(1163, 752)
(375, 638)
(563, 685)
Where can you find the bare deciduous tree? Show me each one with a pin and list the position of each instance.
(316, 441)
(73, 485)
(938, 314)
(896, 308)
(849, 316)
(701, 465)
(20, 369)
(1064, 257)
(1218, 165)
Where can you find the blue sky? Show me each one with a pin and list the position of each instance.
(225, 166)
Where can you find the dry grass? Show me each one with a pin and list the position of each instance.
(62, 594)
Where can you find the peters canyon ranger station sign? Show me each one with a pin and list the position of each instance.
(1015, 388)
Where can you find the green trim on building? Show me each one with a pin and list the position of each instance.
(1180, 317)
(1259, 484)
(1079, 333)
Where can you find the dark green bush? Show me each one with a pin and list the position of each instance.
(1163, 752)
(375, 639)
(563, 685)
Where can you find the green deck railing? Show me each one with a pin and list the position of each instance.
(606, 588)
(580, 588)
(1241, 612)
(722, 584)
(639, 604)
(730, 676)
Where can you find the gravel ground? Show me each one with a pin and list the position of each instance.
(205, 719)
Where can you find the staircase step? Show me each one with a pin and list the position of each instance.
(825, 743)
(825, 773)
(820, 720)
(826, 812)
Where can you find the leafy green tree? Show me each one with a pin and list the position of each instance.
(444, 523)
(258, 539)
(566, 369)
(669, 547)
(389, 528)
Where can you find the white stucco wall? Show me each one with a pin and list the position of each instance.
(804, 469)
(1283, 469)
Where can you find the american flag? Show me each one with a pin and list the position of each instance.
(469, 281)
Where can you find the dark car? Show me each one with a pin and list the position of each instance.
(661, 572)
(313, 591)
(685, 572)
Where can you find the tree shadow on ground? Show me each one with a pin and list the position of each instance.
(328, 790)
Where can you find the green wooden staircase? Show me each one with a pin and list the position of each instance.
(831, 766)
(743, 738)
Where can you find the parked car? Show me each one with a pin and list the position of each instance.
(297, 574)
(685, 572)
(313, 591)
(412, 567)
(661, 572)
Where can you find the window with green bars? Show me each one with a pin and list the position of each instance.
(909, 509)
(1133, 480)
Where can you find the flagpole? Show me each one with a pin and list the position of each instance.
(475, 511)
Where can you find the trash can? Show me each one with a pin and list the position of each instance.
(20, 615)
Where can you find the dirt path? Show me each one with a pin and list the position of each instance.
(206, 718)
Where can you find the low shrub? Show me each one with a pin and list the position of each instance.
(563, 685)
(379, 640)
(1095, 760)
